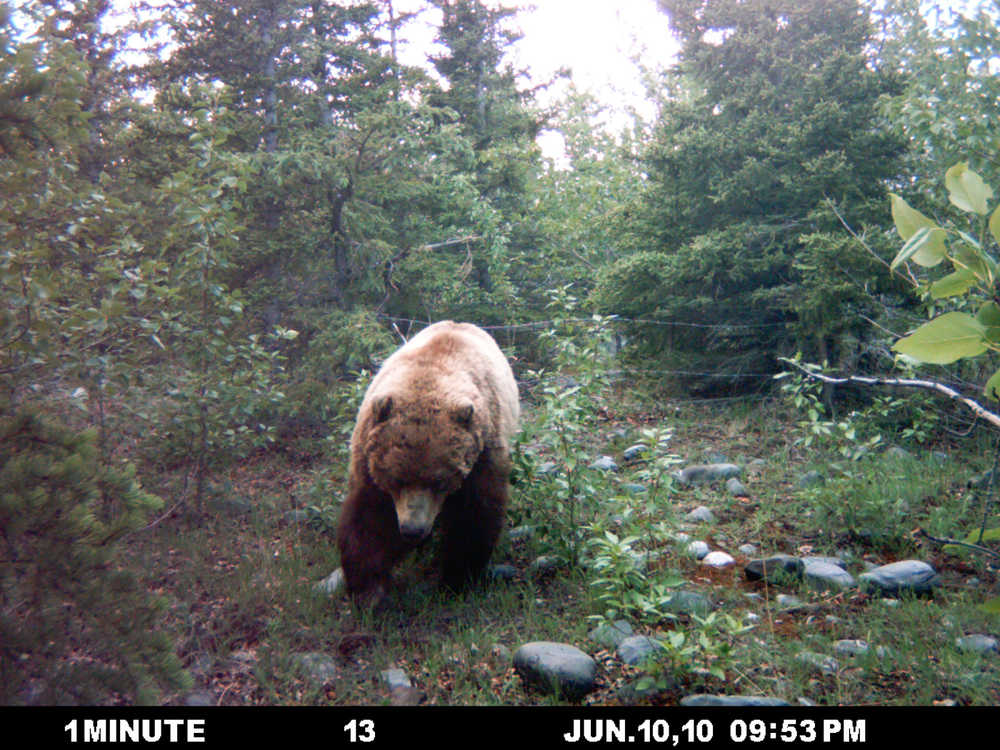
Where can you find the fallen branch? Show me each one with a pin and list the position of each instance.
(957, 543)
(977, 408)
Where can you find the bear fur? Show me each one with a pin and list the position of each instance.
(431, 444)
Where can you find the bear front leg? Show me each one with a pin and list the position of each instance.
(369, 542)
(472, 521)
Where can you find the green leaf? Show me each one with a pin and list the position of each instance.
(943, 340)
(925, 247)
(989, 316)
(907, 219)
(995, 224)
(953, 284)
(966, 189)
(991, 606)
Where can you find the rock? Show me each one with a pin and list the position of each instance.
(611, 634)
(977, 642)
(810, 479)
(706, 473)
(395, 678)
(319, 668)
(747, 549)
(637, 648)
(751, 701)
(897, 453)
(825, 576)
(822, 662)
(544, 565)
(547, 467)
(850, 648)
(634, 488)
(778, 568)
(520, 533)
(686, 603)
(701, 514)
(698, 549)
(907, 576)
(787, 601)
(633, 453)
(604, 463)
(501, 572)
(556, 668)
(735, 488)
(718, 559)
(333, 584)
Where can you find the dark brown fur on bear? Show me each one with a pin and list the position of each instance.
(431, 442)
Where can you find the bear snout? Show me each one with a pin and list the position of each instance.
(416, 510)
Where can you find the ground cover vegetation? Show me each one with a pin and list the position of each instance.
(217, 219)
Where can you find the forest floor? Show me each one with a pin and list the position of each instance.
(240, 577)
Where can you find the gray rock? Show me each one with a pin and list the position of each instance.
(633, 452)
(747, 549)
(547, 467)
(751, 701)
(735, 488)
(778, 568)
(978, 642)
(810, 479)
(829, 560)
(520, 533)
(319, 668)
(556, 668)
(718, 559)
(544, 565)
(822, 662)
(787, 601)
(634, 488)
(905, 576)
(698, 549)
(706, 473)
(637, 648)
(604, 463)
(686, 603)
(501, 572)
(825, 576)
(897, 453)
(611, 634)
(395, 678)
(701, 514)
(851, 648)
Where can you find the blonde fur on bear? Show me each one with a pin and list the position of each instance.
(431, 446)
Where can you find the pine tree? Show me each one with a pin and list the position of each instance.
(75, 626)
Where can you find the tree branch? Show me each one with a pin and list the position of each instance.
(978, 409)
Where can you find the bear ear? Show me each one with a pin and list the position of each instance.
(463, 415)
(382, 407)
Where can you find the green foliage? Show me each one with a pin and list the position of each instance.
(972, 284)
(769, 117)
(567, 412)
(74, 625)
(818, 430)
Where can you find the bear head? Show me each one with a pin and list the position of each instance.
(420, 452)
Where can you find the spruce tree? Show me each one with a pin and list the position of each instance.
(769, 118)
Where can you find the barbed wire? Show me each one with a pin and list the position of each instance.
(610, 318)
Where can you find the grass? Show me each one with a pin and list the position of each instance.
(242, 604)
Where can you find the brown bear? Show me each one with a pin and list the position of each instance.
(431, 443)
